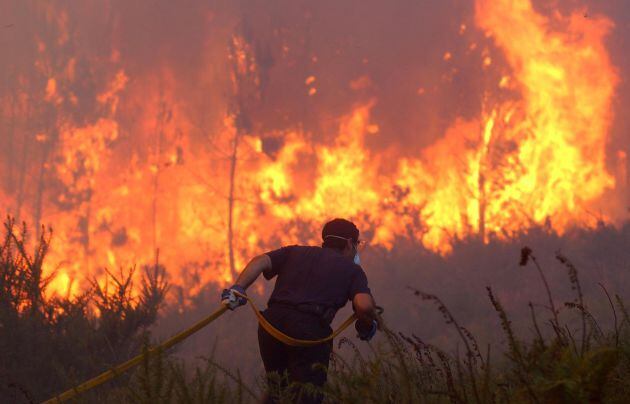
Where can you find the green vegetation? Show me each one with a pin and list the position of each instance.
(47, 345)
(51, 343)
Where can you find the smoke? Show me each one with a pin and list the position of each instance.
(108, 106)
(389, 51)
(397, 48)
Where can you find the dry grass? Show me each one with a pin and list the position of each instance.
(55, 343)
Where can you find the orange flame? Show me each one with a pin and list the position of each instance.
(535, 155)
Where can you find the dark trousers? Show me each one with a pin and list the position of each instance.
(289, 368)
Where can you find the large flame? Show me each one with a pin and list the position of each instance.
(539, 155)
(535, 155)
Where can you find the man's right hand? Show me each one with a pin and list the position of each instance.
(364, 308)
(231, 299)
(365, 332)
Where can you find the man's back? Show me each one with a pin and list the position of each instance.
(314, 276)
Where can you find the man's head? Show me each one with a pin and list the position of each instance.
(341, 235)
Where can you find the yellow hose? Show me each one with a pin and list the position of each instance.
(118, 370)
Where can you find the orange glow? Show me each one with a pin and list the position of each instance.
(534, 155)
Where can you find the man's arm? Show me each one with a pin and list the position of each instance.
(366, 323)
(232, 297)
(364, 307)
(253, 270)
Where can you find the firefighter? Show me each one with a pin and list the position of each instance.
(312, 284)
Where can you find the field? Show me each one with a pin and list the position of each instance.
(456, 329)
(481, 147)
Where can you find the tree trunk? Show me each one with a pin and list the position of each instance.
(22, 177)
(156, 178)
(482, 205)
(41, 188)
(485, 166)
(154, 207)
(87, 240)
(47, 147)
(233, 161)
(11, 152)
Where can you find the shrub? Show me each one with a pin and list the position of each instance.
(51, 343)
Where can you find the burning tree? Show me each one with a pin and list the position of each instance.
(239, 122)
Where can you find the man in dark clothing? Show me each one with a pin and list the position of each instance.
(312, 284)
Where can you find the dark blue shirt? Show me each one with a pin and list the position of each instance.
(314, 275)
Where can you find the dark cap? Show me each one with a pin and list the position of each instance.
(340, 228)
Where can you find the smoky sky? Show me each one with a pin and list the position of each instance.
(398, 46)
(392, 51)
